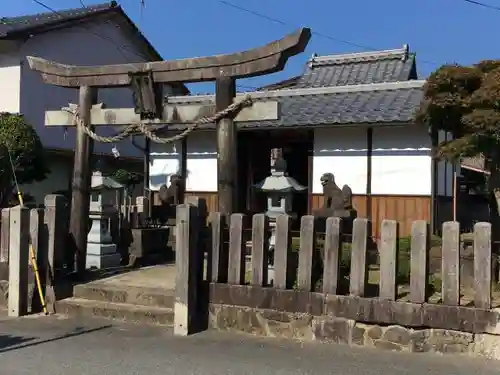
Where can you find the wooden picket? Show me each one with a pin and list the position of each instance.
(388, 251)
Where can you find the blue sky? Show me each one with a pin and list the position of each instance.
(439, 31)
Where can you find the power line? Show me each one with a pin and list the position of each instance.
(325, 36)
(484, 5)
(118, 47)
(283, 23)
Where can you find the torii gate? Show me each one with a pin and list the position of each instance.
(146, 80)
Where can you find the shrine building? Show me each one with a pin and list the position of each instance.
(350, 115)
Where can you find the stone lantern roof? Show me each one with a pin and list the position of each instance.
(100, 182)
(279, 181)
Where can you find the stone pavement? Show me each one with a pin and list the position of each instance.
(61, 346)
(160, 276)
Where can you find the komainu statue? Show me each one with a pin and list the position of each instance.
(347, 194)
(337, 202)
(170, 197)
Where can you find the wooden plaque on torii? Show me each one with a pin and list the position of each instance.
(146, 80)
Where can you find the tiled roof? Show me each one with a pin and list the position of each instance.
(285, 84)
(354, 69)
(360, 68)
(366, 87)
(381, 103)
(13, 26)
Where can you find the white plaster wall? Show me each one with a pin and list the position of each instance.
(401, 160)
(341, 151)
(78, 46)
(201, 162)
(10, 81)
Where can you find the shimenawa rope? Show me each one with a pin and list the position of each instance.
(149, 133)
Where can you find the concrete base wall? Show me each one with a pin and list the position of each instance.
(328, 329)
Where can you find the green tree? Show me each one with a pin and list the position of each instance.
(465, 101)
(126, 178)
(19, 144)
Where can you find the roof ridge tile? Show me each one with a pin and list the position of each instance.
(355, 57)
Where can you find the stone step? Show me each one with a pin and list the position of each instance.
(84, 308)
(143, 296)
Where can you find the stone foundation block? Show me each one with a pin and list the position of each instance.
(345, 331)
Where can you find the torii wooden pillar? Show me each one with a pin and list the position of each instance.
(146, 80)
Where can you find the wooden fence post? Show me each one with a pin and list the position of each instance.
(332, 251)
(388, 259)
(450, 263)
(482, 265)
(306, 253)
(282, 253)
(4, 244)
(236, 273)
(56, 216)
(219, 254)
(418, 261)
(18, 261)
(187, 269)
(260, 250)
(359, 266)
(4, 239)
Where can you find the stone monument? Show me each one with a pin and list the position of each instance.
(101, 251)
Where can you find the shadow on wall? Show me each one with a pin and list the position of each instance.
(164, 178)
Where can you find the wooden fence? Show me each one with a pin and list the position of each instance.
(301, 278)
(45, 230)
(236, 282)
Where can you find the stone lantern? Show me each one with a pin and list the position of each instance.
(280, 189)
(101, 251)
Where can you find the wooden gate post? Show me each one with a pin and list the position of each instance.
(186, 266)
(18, 261)
(82, 174)
(225, 91)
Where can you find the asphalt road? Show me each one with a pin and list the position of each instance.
(60, 346)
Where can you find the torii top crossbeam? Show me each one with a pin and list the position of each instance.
(254, 62)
